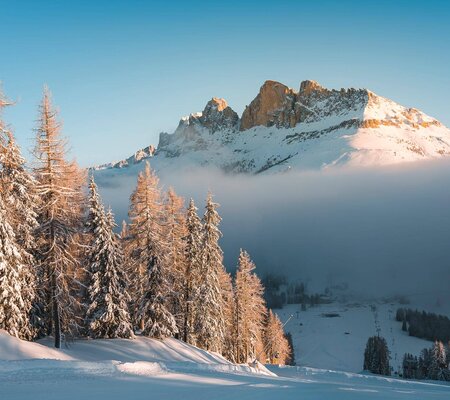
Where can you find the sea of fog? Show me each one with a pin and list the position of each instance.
(382, 231)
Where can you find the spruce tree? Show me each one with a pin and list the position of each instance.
(404, 326)
(192, 273)
(15, 304)
(227, 292)
(17, 187)
(159, 322)
(145, 236)
(107, 314)
(376, 356)
(438, 365)
(210, 320)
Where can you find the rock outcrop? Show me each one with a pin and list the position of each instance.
(273, 105)
(217, 115)
(314, 127)
(280, 106)
(136, 158)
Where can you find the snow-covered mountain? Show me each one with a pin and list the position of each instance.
(311, 128)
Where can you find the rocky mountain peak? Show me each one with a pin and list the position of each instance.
(218, 115)
(316, 126)
(216, 103)
(307, 87)
(272, 106)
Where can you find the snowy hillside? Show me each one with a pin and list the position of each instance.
(146, 368)
(313, 128)
(334, 336)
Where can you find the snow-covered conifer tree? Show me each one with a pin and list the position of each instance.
(210, 321)
(227, 292)
(376, 356)
(107, 314)
(174, 252)
(438, 369)
(144, 242)
(15, 305)
(276, 345)
(58, 265)
(250, 309)
(17, 187)
(192, 273)
(159, 322)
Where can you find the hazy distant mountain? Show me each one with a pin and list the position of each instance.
(313, 128)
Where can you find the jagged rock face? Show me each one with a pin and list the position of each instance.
(273, 105)
(312, 128)
(279, 105)
(136, 158)
(218, 115)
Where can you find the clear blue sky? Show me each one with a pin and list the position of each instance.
(122, 71)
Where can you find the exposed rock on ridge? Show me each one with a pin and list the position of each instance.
(314, 127)
(278, 105)
(218, 115)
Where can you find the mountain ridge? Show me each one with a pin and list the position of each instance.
(313, 127)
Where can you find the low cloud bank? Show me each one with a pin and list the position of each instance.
(382, 231)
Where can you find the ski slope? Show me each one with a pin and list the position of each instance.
(150, 369)
(334, 336)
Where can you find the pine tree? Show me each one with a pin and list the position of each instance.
(410, 367)
(18, 190)
(145, 241)
(227, 292)
(291, 359)
(210, 320)
(192, 273)
(424, 363)
(376, 356)
(249, 309)
(276, 345)
(404, 326)
(159, 322)
(58, 286)
(438, 364)
(107, 314)
(15, 305)
(174, 253)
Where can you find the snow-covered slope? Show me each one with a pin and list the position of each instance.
(170, 352)
(309, 129)
(145, 368)
(334, 336)
(12, 348)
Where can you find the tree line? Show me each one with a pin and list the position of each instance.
(278, 292)
(65, 272)
(432, 363)
(424, 325)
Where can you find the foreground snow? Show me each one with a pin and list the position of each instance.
(145, 368)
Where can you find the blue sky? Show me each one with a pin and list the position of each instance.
(122, 71)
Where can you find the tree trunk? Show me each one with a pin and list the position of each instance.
(186, 315)
(53, 290)
(56, 318)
